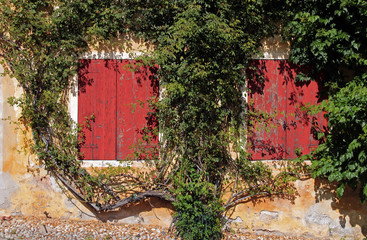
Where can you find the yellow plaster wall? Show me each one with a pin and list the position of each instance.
(274, 48)
(126, 43)
(34, 194)
(13, 162)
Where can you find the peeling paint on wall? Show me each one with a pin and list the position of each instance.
(7, 187)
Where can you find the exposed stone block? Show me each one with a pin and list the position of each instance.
(268, 216)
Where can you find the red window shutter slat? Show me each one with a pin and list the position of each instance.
(125, 109)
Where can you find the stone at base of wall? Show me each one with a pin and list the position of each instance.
(314, 212)
(318, 215)
(7, 187)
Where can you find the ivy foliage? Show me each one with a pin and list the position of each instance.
(40, 44)
(331, 37)
(201, 47)
(342, 157)
(202, 55)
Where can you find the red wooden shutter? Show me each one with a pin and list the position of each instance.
(274, 91)
(97, 96)
(117, 97)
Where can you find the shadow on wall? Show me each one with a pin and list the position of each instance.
(349, 206)
(123, 43)
(150, 211)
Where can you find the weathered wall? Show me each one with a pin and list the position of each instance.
(25, 189)
(314, 211)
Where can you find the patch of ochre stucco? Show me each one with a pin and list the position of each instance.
(16, 139)
(35, 197)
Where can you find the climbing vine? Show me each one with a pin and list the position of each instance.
(202, 49)
(331, 35)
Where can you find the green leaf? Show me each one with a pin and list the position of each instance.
(340, 190)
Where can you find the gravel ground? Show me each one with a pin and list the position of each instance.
(50, 228)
